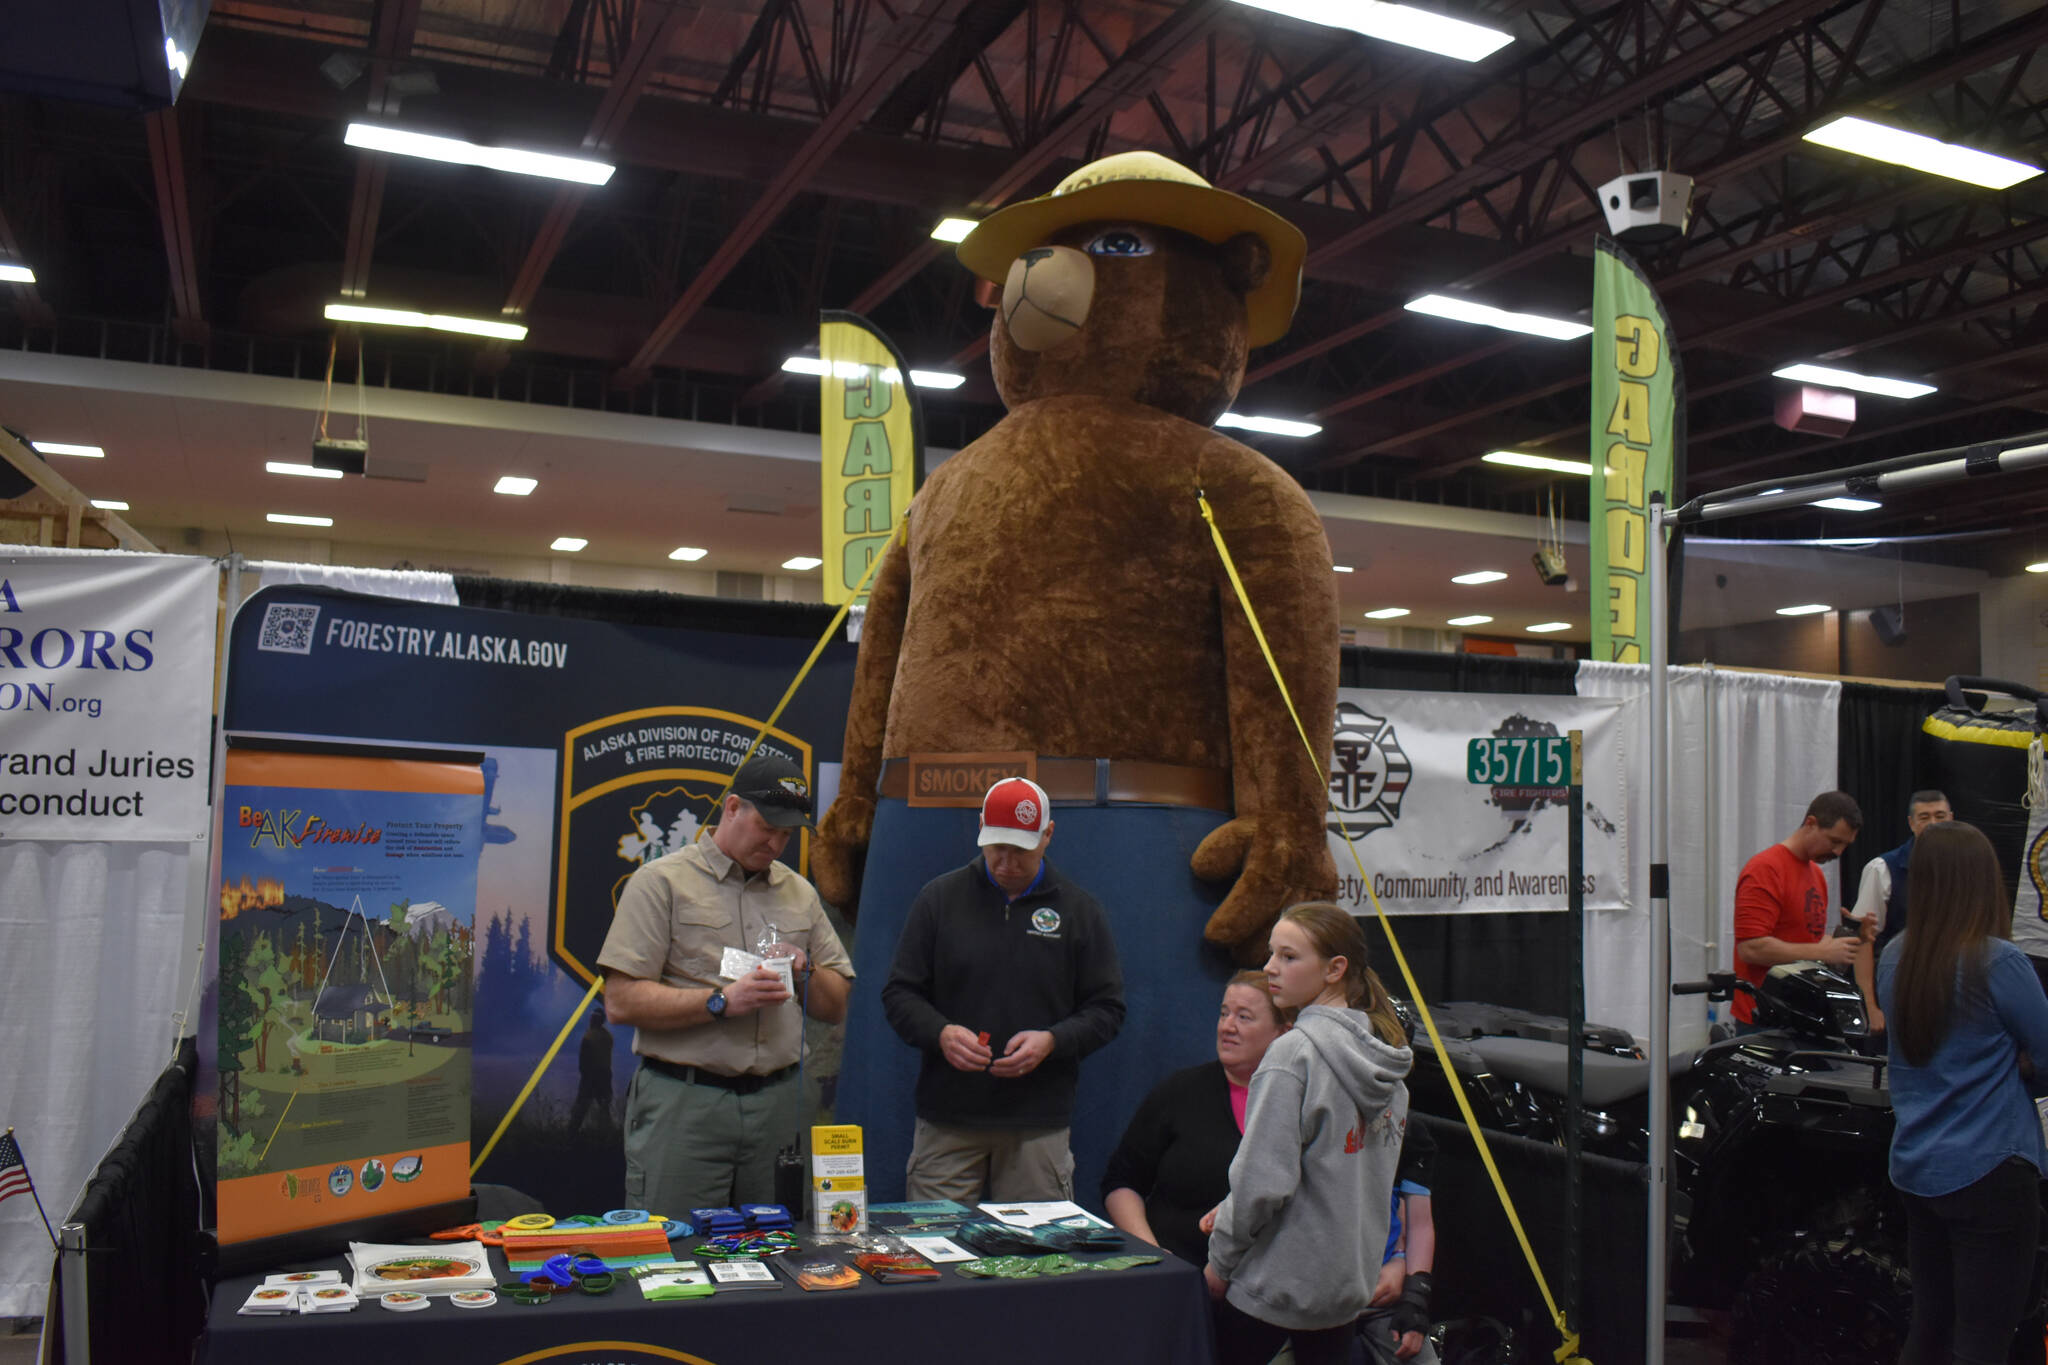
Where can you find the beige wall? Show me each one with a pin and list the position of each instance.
(2015, 630)
(568, 569)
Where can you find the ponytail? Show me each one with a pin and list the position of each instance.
(1336, 933)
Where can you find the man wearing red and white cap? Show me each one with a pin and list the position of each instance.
(1004, 978)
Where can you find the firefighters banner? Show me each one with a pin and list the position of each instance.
(872, 434)
(1433, 841)
(1638, 446)
(106, 689)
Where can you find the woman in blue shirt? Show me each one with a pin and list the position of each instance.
(1963, 1004)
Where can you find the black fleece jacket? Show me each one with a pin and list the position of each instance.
(970, 956)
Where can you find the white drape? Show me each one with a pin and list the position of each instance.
(93, 971)
(91, 976)
(416, 585)
(1748, 752)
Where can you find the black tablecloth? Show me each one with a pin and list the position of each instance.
(1148, 1315)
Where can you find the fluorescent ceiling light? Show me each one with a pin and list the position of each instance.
(1549, 462)
(1465, 310)
(2041, 567)
(1481, 576)
(371, 137)
(801, 564)
(1469, 620)
(1386, 613)
(12, 273)
(688, 553)
(1341, 568)
(1547, 627)
(1809, 609)
(851, 369)
(1849, 504)
(516, 485)
(109, 505)
(1849, 379)
(568, 544)
(1271, 426)
(953, 229)
(65, 448)
(303, 471)
(1921, 153)
(438, 322)
(1395, 24)
(287, 519)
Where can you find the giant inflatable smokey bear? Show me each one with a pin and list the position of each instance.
(1057, 593)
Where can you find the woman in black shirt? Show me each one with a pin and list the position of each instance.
(1173, 1164)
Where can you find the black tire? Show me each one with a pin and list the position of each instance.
(1829, 1301)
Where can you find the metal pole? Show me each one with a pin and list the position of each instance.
(1575, 1077)
(77, 1317)
(1657, 1268)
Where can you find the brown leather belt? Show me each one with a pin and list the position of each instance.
(1101, 782)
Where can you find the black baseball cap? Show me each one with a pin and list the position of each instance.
(777, 789)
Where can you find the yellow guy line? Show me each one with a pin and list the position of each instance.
(1567, 1353)
(597, 982)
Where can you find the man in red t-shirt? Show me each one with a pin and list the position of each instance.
(1781, 901)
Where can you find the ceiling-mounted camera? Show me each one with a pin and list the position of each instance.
(1647, 207)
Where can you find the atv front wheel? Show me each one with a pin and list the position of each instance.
(1826, 1302)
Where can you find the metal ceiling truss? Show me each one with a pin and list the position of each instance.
(1830, 261)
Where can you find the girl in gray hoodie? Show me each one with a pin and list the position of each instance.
(1295, 1249)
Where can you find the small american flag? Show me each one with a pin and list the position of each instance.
(13, 1170)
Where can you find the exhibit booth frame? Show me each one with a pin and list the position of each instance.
(1928, 469)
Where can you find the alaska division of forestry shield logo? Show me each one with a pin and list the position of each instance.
(1045, 920)
(1368, 772)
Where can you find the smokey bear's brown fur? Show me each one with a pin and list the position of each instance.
(1060, 593)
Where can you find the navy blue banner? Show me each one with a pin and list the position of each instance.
(605, 746)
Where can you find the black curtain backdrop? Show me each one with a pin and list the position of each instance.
(1881, 759)
(1519, 960)
(737, 615)
(140, 1209)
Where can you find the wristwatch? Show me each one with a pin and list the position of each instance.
(715, 1006)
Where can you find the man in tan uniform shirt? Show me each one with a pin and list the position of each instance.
(716, 1093)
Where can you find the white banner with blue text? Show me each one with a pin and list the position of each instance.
(1459, 802)
(106, 690)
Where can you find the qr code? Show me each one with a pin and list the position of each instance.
(288, 629)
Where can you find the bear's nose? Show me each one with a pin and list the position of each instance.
(1046, 297)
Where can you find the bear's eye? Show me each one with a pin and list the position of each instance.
(1120, 242)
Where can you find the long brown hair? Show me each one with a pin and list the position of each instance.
(1334, 932)
(1955, 900)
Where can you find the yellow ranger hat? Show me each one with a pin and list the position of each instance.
(1145, 187)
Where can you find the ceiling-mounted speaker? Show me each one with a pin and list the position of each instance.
(1890, 624)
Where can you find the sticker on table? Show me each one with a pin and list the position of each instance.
(405, 1301)
(473, 1298)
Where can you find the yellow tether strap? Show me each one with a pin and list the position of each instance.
(1566, 1353)
(597, 981)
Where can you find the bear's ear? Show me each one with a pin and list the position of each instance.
(987, 293)
(1246, 262)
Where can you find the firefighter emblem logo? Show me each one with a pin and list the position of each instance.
(1369, 772)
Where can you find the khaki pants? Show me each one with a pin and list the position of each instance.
(973, 1165)
(699, 1147)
